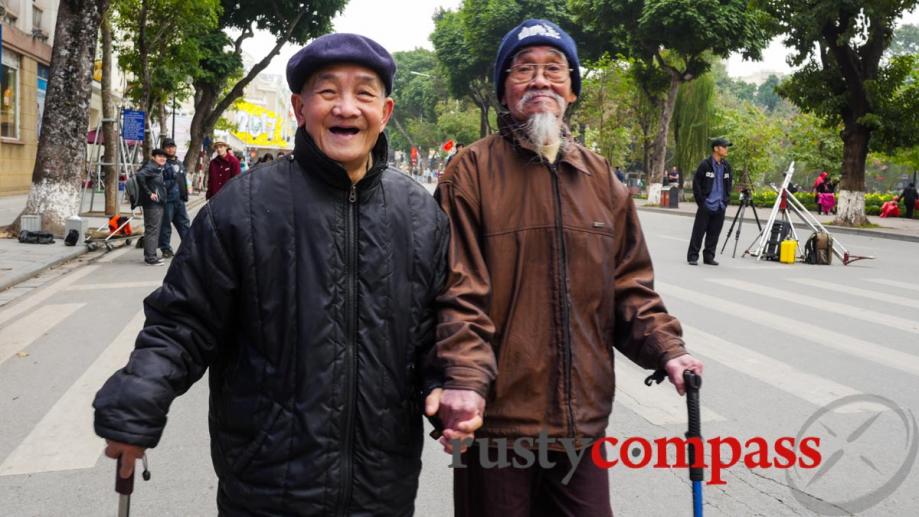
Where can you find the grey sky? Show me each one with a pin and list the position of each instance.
(406, 24)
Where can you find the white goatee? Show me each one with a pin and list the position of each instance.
(544, 129)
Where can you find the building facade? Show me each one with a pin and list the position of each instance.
(27, 33)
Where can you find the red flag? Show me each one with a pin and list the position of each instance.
(414, 154)
(448, 145)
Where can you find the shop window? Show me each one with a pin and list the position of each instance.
(9, 96)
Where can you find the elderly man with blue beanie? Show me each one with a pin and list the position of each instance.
(549, 274)
(306, 288)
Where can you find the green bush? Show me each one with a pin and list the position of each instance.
(765, 199)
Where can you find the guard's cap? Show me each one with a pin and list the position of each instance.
(721, 142)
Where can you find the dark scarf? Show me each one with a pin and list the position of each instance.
(515, 132)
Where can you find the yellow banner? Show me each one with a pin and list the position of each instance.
(258, 127)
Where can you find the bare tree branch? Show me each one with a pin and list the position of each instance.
(237, 90)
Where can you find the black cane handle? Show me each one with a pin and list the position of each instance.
(124, 486)
(692, 382)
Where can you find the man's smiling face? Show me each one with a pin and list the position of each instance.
(344, 109)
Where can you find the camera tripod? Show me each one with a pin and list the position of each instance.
(746, 199)
(785, 202)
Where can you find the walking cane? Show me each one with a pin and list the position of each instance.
(691, 383)
(124, 487)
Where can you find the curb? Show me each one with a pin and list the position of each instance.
(835, 229)
(17, 279)
(80, 250)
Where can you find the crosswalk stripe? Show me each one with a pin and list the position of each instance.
(800, 329)
(21, 333)
(658, 404)
(895, 283)
(848, 311)
(36, 299)
(864, 293)
(64, 438)
(777, 374)
(115, 285)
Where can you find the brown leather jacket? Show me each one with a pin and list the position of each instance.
(549, 272)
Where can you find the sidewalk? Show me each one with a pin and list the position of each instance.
(888, 228)
(20, 262)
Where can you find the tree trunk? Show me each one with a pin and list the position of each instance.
(851, 207)
(484, 125)
(55, 192)
(109, 135)
(659, 153)
(164, 127)
(146, 78)
(205, 99)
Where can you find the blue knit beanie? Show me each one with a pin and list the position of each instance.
(536, 32)
(340, 48)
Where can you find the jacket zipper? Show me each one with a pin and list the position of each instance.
(563, 289)
(350, 349)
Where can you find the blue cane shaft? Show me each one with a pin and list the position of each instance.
(696, 499)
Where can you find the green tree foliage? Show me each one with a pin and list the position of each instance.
(813, 146)
(839, 46)
(415, 88)
(757, 139)
(289, 21)
(905, 41)
(675, 35)
(606, 110)
(766, 94)
(459, 123)
(157, 43)
(693, 117)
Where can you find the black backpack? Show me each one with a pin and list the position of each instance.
(72, 237)
(819, 249)
(27, 237)
(133, 190)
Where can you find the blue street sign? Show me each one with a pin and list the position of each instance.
(132, 125)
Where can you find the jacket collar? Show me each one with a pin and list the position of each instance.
(314, 161)
(513, 132)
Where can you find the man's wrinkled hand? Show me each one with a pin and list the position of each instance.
(677, 365)
(460, 411)
(128, 454)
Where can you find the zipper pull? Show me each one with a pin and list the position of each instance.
(352, 197)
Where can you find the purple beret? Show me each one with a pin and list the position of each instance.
(340, 48)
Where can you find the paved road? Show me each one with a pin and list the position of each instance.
(779, 342)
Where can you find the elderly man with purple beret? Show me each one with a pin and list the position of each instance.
(306, 288)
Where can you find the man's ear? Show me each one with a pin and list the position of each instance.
(296, 101)
(388, 106)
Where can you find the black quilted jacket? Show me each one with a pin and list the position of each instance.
(311, 303)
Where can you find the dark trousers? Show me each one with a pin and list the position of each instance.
(153, 217)
(910, 206)
(530, 492)
(174, 213)
(707, 224)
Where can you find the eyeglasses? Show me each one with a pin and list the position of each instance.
(553, 72)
